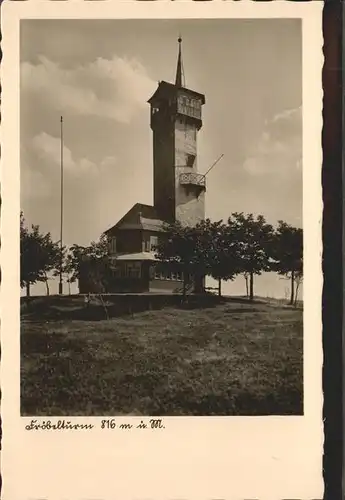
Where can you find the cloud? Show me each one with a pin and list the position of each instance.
(47, 150)
(279, 148)
(40, 168)
(286, 124)
(86, 183)
(114, 88)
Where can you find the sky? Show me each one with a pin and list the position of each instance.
(99, 74)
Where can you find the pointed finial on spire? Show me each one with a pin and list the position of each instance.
(179, 81)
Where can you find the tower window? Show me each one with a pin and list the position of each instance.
(190, 160)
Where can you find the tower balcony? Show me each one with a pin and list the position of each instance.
(193, 180)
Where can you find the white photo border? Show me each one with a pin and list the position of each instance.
(194, 457)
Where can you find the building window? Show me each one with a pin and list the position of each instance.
(133, 270)
(150, 244)
(112, 245)
(153, 243)
(130, 270)
(166, 274)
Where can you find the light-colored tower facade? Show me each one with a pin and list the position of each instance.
(176, 118)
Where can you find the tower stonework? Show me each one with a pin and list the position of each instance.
(176, 118)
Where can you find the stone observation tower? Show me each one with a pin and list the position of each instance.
(176, 118)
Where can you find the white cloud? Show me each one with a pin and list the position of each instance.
(288, 114)
(40, 168)
(46, 149)
(287, 124)
(279, 148)
(115, 88)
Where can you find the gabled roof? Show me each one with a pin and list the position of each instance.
(140, 216)
(166, 90)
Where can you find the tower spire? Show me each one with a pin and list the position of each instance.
(179, 81)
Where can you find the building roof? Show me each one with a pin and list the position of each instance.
(137, 256)
(140, 216)
(152, 224)
(166, 90)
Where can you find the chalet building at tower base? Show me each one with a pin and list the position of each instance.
(135, 266)
(179, 195)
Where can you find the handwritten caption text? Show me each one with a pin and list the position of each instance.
(106, 424)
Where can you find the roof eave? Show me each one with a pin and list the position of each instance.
(164, 86)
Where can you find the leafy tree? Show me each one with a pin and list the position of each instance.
(253, 237)
(39, 256)
(287, 255)
(68, 268)
(220, 250)
(88, 262)
(28, 274)
(182, 249)
(209, 248)
(204, 239)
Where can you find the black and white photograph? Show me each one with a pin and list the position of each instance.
(161, 250)
(161, 228)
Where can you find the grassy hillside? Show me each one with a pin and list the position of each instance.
(233, 358)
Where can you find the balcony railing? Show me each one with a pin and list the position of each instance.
(193, 179)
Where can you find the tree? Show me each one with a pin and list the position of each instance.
(208, 248)
(39, 256)
(182, 249)
(287, 255)
(246, 278)
(221, 251)
(28, 274)
(68, 268)
(298, 281)
(253, 237)
(88, 262)
(50, 258)
(206, 238)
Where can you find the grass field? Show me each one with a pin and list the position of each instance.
(231, 359)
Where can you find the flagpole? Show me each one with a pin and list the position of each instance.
(61, 206)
